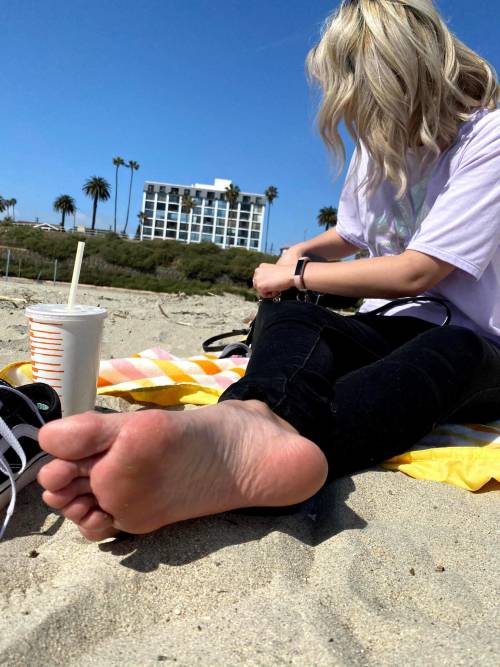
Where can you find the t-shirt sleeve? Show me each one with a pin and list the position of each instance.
(348, 216)
(463, 226)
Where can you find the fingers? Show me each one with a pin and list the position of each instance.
(269, 280)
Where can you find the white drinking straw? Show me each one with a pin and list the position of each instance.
(76, 274)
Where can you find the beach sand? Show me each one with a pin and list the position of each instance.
(377, 569)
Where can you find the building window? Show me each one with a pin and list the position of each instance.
(187, 192)
(198, 194)
(162, 188)
(174, 191)
(246, 200)
(210, 195)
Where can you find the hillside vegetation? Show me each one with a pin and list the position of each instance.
(162, 266)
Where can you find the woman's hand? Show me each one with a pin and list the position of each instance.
(269, 280)
(290, 257)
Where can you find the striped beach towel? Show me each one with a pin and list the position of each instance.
(467, 456)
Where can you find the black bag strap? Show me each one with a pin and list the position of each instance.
(414, 299)
(208, 345)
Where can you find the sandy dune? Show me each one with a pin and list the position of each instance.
(378, 569)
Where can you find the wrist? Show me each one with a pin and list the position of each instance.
(299, 250)
(298, 274)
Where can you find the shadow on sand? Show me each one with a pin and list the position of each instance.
(312, 523)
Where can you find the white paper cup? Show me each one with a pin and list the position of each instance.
(65, 351)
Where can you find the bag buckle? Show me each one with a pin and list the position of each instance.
(309, 297)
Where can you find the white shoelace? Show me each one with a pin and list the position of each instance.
(7, 440)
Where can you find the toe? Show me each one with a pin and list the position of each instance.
(99, 535)
(58, 473)
(78, 508)
(96, 525)
(80, 436)
(59, 499)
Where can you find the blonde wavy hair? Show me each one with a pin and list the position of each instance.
(400, 80)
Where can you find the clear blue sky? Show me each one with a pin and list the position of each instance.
(191, 89)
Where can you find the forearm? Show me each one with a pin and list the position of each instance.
(328, 245)
(388, 277)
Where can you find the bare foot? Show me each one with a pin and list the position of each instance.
(140, 471)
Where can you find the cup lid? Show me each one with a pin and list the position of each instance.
(61, 311)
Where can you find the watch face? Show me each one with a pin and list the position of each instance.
(298, 268)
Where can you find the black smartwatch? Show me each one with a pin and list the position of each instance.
(298, 276)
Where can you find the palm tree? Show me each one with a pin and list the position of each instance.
(327, 217)
(133, 166)
(187, 204)
(232, 194)
(65, 205)
(13, 203)
(142, 220)
(3, 204)
(99, 189)
(271, 194)
(118, 162)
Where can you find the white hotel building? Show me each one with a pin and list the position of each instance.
(210, 219)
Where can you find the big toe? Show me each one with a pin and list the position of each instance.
(80, 436)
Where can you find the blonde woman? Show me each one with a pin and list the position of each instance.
(326, 395)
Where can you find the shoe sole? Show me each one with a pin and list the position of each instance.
(25, 478)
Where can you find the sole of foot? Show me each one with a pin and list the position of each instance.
(140, 471)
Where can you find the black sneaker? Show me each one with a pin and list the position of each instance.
(22, 412)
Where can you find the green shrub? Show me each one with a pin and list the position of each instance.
(164, 266)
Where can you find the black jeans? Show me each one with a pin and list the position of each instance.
(367, 387)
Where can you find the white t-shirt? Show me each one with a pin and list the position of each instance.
(452, 213)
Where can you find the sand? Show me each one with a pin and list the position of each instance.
(378, 569)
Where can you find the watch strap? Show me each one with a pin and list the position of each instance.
(298, 276)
